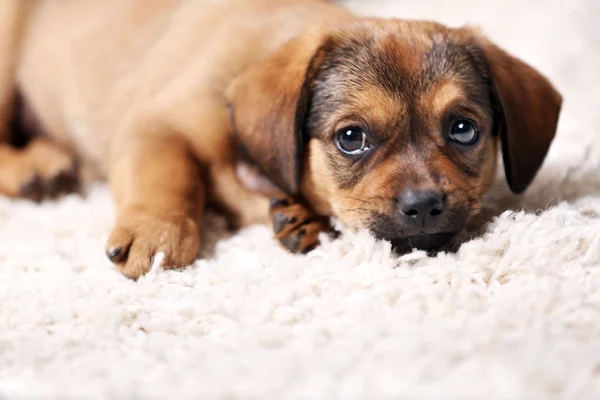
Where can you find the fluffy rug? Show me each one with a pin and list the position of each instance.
(514, 314)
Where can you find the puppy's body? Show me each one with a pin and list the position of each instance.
(158, 96)
(109, 64)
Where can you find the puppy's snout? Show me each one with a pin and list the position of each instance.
(421, 205)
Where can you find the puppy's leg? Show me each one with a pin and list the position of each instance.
(157, 184)
(42, 169)
(295, 226)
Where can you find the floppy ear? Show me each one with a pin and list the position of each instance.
(268, 105)
(528, 107)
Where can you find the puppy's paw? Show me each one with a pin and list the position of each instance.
(41, 170)
(295, 226)
(138, 236)
(51, 184)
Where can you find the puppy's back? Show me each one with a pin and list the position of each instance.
(87, 65)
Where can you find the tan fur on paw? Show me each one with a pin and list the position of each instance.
(138, 236)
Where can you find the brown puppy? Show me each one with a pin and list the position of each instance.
(389, 125)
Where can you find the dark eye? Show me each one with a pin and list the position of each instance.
(352, 141)
(463, 131)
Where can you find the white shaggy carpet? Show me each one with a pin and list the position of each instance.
(515, 314)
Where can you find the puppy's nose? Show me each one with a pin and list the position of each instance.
(421, 204)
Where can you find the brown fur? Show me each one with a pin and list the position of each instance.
(157, 96)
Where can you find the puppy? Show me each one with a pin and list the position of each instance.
(389, 125)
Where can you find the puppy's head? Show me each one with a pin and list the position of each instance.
(393, 126)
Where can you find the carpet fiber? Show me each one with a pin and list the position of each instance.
(514, 314)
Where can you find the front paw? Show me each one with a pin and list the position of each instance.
(296, 227)
(138, 236)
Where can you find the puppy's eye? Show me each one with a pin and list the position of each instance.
(463, 131)
(352, 141)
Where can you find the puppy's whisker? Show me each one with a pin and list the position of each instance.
(354, 198)
(488, 185)
(358, 209)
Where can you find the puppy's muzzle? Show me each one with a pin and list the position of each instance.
(421, 207)
(421, 218)
(423, 211)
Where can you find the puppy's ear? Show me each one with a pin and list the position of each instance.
(528, 107)
(268, 105)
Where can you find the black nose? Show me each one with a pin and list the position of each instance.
(421, 204)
